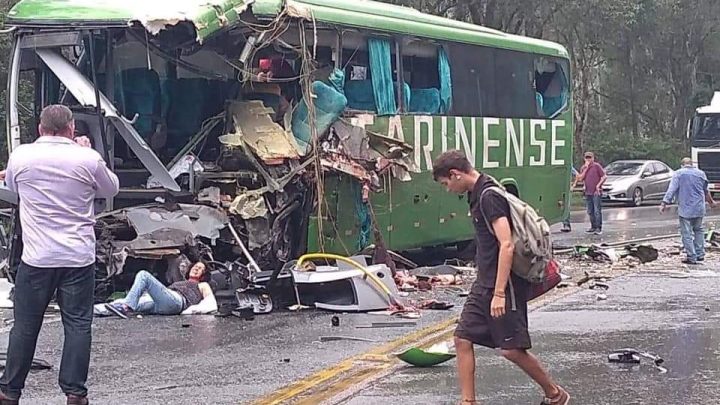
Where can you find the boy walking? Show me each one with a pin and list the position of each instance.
(495, 314)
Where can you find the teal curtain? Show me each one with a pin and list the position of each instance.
(445, 81)
(382, 78)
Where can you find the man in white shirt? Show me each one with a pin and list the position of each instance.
(57, 179)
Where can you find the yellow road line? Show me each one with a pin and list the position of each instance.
(333, 381)
(353, 370)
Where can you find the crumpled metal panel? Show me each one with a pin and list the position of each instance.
(249, 205)
(197, 220)
(256, 129)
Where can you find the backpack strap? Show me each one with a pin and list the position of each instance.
(498, 190)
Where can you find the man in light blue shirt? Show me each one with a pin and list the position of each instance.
(690, 185)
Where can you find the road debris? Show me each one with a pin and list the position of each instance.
(435, 304)
(374, 325)
(434, 355)
(633, 356)
(351, 338)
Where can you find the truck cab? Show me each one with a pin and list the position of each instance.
(704, 134)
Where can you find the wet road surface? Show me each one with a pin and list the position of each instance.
(156, 360)
(676, 318)
(626, 224)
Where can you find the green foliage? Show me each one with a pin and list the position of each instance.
(615, 146)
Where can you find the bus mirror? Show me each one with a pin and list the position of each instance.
(689, 128)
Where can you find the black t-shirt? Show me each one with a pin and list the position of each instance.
(493, 206)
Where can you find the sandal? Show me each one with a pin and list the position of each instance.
(562, 398)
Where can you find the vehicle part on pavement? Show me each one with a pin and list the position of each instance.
(434, 355)
(357, 288)
(353, 338)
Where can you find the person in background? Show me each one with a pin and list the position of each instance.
(690, 186)
(57, 179)
(173, 300)
(495, 314)
(566, 223)
(593, 177)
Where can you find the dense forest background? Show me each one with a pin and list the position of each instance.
(640, 67)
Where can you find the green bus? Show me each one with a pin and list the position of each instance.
(155, 84)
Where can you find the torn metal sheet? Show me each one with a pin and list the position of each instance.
(210, 195)
(255, 127)
(84, 92)
(343, 164)
(206, 221)
(249, 205)
(353, 140)
(209, 220)
(165, 238)
(180, 167)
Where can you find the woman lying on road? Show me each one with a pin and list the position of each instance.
(180, 298)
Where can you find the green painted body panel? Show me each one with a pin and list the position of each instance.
(207, 16)
(211, 16)
(409, 214)
(420, 212)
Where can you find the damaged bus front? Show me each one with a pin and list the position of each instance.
(262, 129)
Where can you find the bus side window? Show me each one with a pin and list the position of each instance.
(427, 77)
(552, 86)
(472, 69)
(515, 93)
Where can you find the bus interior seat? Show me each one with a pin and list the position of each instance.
(425, 101)
(360, 95)
(138, 92)
(329, 105)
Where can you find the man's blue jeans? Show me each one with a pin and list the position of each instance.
(594, 210)
(34, 288)
(693, 237)
(164, 300)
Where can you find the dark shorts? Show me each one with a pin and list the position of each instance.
(507, 332)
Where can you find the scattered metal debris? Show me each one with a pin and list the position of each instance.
(374, 325)
(352, 338)
(633, 356)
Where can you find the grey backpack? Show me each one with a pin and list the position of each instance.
(530, 234)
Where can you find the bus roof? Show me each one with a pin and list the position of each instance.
(211, 16)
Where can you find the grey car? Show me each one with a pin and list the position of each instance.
(635, 181)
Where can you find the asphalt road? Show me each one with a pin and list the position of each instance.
(676, 318)
(203, 359)
(625, 224)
